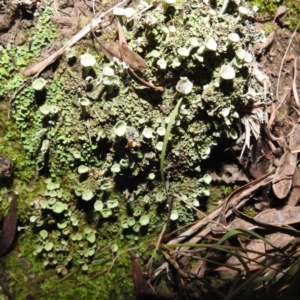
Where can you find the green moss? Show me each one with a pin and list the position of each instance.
(249, 211)
(293, 13)
(26, 277)
(226, 190)
(269, 28)
(269, 6)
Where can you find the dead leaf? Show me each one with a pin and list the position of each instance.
(295, 194)
(295, 139)
(282, 180)
(281, 10)
(253, 260)
(287, 215)
(132, 59)
(260, 48)
(124, 53)
(199, 269)
(279, 240)
(256, 258)
(262, 158)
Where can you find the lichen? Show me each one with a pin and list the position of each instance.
(90, 142)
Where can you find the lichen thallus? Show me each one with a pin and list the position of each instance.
(121, 51)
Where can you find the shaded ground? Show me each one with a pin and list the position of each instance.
(278, 139)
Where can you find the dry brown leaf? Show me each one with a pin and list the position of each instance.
(262, 157)
(132, 59)
(278, 240)
(255, 258)
(199, 268)
(121, 51)
(281, 10)
(295, 139)
(295, 194)
(260, 48)
(282, 180)
(287, 215)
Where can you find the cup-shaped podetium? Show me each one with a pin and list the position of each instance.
(184, 86)
(84, 103)
(39, 84)
(227, 72)
(87, 61)
(111, 82)
(120, 128)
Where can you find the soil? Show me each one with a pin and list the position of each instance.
(275, 61)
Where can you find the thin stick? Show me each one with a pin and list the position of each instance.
(294, 86)
(282, 61)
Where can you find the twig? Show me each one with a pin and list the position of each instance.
(294, 83)
(284, 98)
(282, 61)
